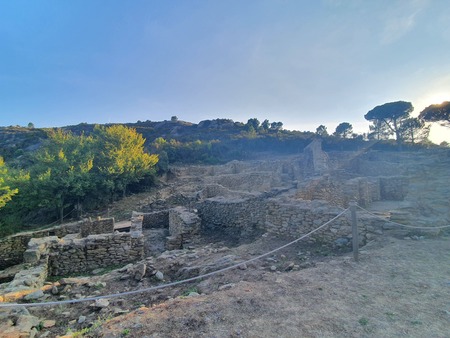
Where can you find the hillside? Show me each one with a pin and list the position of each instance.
(312, 288)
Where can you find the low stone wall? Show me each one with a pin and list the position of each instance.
(363, 190)
(36, 257)
(71, 256)
(13, 247)
(296, 218)
(247, 217)
(98, 226)
(156, 219)
(237, 218)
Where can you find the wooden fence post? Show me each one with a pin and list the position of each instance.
(355, 237)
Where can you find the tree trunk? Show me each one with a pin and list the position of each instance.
(397, 136)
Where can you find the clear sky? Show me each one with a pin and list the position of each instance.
(301, 62)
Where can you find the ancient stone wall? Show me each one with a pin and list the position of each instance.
(156, 219)
(70, 256)
(296, 218)
(236, 218)
(363, 190)
(13, 247)
(97, 226)
(315, 159)
(258, 181)
(36, 257)
(393, 188)
(183, 227)
(247, 217)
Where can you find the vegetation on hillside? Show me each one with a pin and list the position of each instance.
(51, 172)
(72, 172)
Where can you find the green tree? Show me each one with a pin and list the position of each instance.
(252, 125)
(414, 130)
(121, 159)
(321, 131)
(62, 171)
(6, 192)
(265, 125)
(276, 126)
(392, 114)
(379, 131)
(343, 130)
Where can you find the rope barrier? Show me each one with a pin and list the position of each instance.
(72, 301)
(403, 225)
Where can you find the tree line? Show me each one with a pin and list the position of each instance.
(78, 171)
(393, 119)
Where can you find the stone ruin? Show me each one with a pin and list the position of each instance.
(69, 249)
(239, 201)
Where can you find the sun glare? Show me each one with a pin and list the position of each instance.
(431, 98)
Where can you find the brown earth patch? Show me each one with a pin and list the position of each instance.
(399, 288)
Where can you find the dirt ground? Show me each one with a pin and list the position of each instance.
(399, 288)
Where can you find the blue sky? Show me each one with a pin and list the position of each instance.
(304, 63)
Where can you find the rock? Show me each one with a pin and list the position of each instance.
(226, 286)
(193, 294)
(100, 303)
(290, 266)
(21, 311)
(55, 290)
(28, 282)
(81, 319)
(33, 332)
(159, 275)
(119, 311)
(72, 281)
(25, 323)
(125, 268)
(48, 323)
(340, 242)
(205, 286)
(243, 266)
(273, 268)
(35, 295)
(139, 271)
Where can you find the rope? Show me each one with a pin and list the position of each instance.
(72, 301)
(403, 225)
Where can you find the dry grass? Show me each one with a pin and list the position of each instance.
(399, 288)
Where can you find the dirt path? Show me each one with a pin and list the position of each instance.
(400, 288)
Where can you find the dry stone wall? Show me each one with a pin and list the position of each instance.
(71, 256)
(363, 190)
(98, 226)
(13, 247)
(237, 218)
(156, 219)
(246, 217)
(184, 226)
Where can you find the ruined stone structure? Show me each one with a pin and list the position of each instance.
(315, 159)
(72, 256)
(72, 253)
(239, 201)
